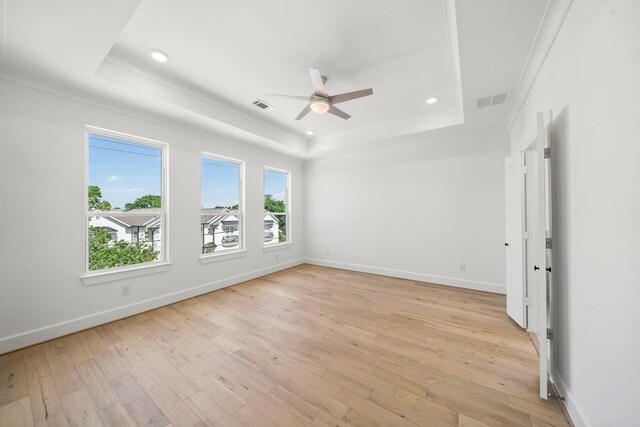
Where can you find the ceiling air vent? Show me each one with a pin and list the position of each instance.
(488, 101)
(262, 105)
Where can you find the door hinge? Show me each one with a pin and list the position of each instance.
(548, 242)
(549, 334)
(547, 153)
(554, 394)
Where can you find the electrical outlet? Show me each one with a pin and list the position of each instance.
(463, 267)
(126, 290)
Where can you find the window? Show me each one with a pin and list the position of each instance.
(276, 207)
(221, 216)
(126, 209)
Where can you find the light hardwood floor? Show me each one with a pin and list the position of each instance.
(304, 346)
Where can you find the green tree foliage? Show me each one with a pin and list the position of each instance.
(144, 202)
(273, 205)
(105, 253)
(95, 200)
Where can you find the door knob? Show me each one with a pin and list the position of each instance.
(535, 267)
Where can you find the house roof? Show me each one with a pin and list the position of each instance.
(211, 216)
(136, 218)
(139, 218)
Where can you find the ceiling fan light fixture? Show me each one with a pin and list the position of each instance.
(319, 105)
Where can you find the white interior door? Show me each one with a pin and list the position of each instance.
(514, 237)
(543, 267)
(531, 214)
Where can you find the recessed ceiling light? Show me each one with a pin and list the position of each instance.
(159, 55)
(310, 132)
(432, 100)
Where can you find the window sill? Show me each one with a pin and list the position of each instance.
(277, 246)
(110, 276)
(206, 259)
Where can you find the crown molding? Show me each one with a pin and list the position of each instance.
(451, 21)
(404, 142)
(550, 25)
(3, 30)
(118, 71)
(94, 99)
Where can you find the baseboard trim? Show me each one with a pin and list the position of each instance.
(439, 280)
(569, 403)
(46, 333)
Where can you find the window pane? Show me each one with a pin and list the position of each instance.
(275, 207)
(275, 228)
(120, 240)
(125, 185)
(275, 191)
(220, 218)
(123, 174)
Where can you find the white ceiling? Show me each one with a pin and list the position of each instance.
(224, 55)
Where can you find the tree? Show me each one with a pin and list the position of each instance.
(95, 200)
(105, 253)
(144, 202)
(273, 205)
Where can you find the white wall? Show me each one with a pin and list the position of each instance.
(417, 211)
(591, 82)
(42, 219)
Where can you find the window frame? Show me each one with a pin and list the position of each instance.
(242, 249)
(91, 277)
(287, 212)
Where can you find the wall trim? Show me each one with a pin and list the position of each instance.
(550, 25)
(413, 140)
(46, 333)
(90, 98)
(569, 404)
(420, 277)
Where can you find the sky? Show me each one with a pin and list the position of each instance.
(219, 183)
(275, 183)
(126, 170)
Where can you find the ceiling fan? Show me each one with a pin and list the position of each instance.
(320, 102)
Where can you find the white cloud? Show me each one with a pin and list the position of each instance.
(278, 196)
(114, 178)
(125, 190)
(135, 190)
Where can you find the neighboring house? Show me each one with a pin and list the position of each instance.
(219, 229)
(142, 226)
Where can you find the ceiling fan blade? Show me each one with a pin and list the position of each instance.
(316, 81)
(348, 96)
(304, 112)
(302, 98)
(338, 112)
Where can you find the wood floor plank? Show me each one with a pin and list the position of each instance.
(13, 379)
(305, 346)
(16, 413)
(80, 409)
(45, 400)
(145, 412)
